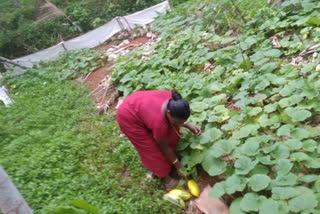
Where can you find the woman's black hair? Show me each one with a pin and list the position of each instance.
(178, 107)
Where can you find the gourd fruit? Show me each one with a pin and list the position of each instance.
(174, 200)
(193, 188)
(180, 193)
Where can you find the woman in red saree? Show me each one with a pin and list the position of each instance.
(151, 121)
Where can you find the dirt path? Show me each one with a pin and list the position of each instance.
(103, 92)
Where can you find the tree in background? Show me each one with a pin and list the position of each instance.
(25, 29)
(17, 4)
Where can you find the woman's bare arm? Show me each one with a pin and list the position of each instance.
(168, 153)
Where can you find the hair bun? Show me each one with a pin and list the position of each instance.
(175, 95)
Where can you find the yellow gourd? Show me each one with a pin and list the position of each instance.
(174, 200)
(180, 193)
(193, 188)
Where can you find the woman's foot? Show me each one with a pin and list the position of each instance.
(170, 183)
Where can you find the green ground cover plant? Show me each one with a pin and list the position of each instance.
(258, 107)
(61, 155)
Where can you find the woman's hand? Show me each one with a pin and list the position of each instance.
(195, 130)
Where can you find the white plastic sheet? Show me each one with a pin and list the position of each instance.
(95, 37)
(4, 96)
(146, 16)
(44, 55)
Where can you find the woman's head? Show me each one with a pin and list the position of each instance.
(178, 109)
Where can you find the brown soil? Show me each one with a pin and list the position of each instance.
(203, 180)
(231, 106)
(96, 76)
(137, 42)
(104, 47)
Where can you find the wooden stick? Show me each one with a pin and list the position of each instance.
(86, 77)
(2, 59)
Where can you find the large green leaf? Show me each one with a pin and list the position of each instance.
(273, 121)
(212, 118)
(272, 53)
(270, 108)
(259, 182)
(251, 40)
(284, 193)
(313, 163)
(216, 86)
(293, 144)
(220, 109)
(196, 157)
(283, 166)
(297, 115)
(281, 151)
(199, 106)
(316, 186)
(254, 111)
(231, 125)
(269, 148)
(245, 131)
(303, 203)
(308, 178)
(235, 183)
(260, 139)
(82, 204)
(213, 166)
(266, 160)
(314, 20)
(250, 148)
(287, 90)
(289, 101)
(235, 207)
(284, 130)
(217, 190)
(260, 169)
(252, 202)
(222, 147)
(198, 117)
(309, 145)
(263, 84)
(210, 135)
(271, 206)
(68, 210)
(299, 156)
(300, 133)
(310, 91)
(244, 165)
(285, 180)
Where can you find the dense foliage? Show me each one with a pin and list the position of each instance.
(61, 155)
(256, 98)
(21, 33)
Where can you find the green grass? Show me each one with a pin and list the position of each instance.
(56, 149)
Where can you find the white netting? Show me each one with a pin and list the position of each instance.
(95, 37)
